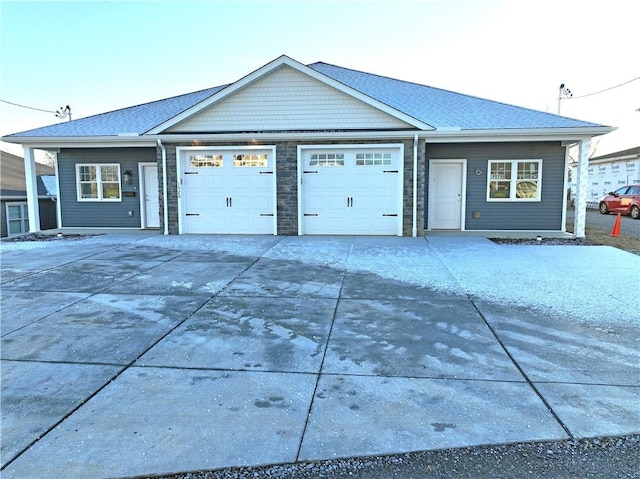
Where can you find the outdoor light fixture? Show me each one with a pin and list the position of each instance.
(127, 177)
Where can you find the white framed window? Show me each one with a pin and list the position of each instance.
(327, 159)
(17, 218)
(514, 180)
(98, 182)
(250, 161)
(206, 161)
(373, 159)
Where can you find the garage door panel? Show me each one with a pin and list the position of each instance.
(358, 196)
(228, 192)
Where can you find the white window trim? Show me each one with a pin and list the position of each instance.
(514, 180)
(98, 182)
(24, 222)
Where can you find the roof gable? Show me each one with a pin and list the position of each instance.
(287, 99)
(273, 66)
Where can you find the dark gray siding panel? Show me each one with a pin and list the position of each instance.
(101, 214)
(47, 214)
(543, 215)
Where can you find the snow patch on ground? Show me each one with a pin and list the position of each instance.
(587, 283)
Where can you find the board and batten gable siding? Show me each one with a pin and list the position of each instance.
(287, 100)
(545, 214)
(101, 214)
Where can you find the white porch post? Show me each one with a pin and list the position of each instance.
(582, 170)
(32, 189)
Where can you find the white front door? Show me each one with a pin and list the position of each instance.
(446, 200)
(151, 197)
(351, 190)
(228, 191)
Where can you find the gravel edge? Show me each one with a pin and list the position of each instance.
(601, 457)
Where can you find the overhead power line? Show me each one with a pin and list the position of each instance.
(602, 91)
(28, 107)
(62, 112)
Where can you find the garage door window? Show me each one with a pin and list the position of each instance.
(373, 159)
(327, 159)
(250, 161)
(206, 161)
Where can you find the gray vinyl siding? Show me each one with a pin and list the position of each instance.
(101, 214)
(543, 215)
(47, 214)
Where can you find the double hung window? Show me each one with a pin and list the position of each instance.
(514, 180)
(98, 182)
(17, 218)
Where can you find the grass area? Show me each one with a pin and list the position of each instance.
(598, 236)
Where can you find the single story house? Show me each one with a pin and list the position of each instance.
(14, 214)
(609, 172)
(294, 149)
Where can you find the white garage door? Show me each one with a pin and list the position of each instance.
(227, 191)
(354, 191)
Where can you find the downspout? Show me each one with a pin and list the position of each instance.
(165, 188)
(414, 228)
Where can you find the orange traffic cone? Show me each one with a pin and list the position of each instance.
(616, 227)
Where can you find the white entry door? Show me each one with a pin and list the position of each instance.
(351, 190)
(446, 199)
(228, 191)
(151, 197)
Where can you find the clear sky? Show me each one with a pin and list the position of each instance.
(100, 56)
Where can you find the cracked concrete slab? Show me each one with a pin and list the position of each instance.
(553, 349)
(359, 415)
(19, 309)
(178, 277)
(258, 334)
(83, 276)
(103, 328)
(590, 410)
(234, 418)
(415, 338)
(35, 396)
(278, 278)
(412, 343)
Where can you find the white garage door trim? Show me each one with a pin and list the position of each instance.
(181, 153)
(350, 148)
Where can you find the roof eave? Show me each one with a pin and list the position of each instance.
(79, 141)
(433, 136)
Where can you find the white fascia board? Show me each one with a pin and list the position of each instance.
(438, 136)
(272, 66)
(534, 134)
(49, 143)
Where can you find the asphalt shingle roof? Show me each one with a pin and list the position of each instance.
(135, 119)
(434, 106)
(445, 109)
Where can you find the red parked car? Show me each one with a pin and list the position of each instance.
(625, 200)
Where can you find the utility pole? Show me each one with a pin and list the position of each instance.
(563, 93)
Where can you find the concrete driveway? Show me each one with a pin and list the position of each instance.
(125, 355)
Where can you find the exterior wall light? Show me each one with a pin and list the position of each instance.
(127, 177)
